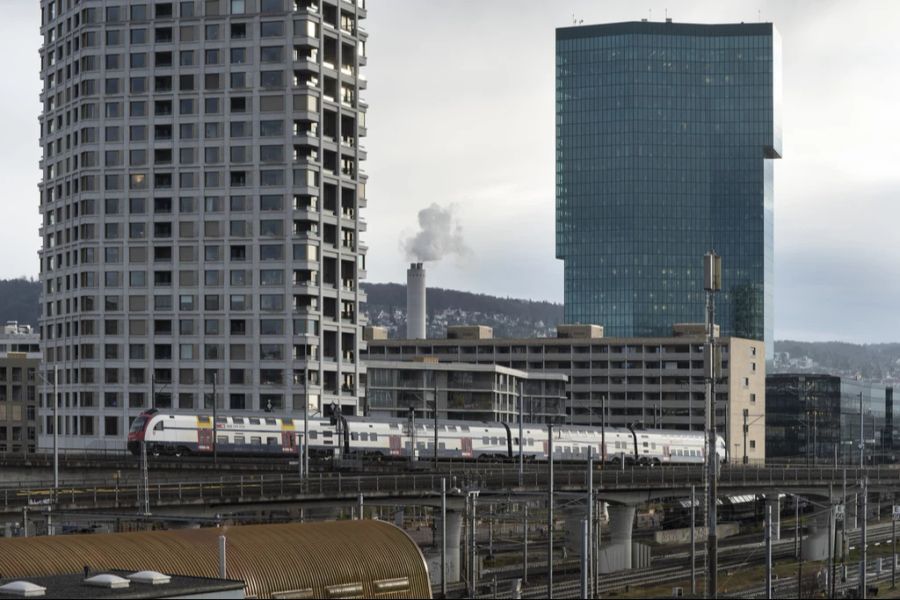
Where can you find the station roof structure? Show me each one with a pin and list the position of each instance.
(367, 558)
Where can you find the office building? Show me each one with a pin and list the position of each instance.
(200, 198)
(465, 391)
(649, 382)
(20, 359)
(664, 138)
(815, 418)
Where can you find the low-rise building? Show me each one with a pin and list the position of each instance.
(650, 382)
(20, 359)
(464, 391)
(816, 418)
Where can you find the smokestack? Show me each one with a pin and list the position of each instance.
(415, 302)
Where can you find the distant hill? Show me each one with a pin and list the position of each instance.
(386, 306)
(510, 317)
(19, 301)
(869, 361)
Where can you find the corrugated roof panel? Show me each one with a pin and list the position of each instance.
(268, 558)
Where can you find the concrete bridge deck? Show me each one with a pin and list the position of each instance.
(229, 489)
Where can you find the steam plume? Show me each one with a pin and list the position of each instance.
(440, 235)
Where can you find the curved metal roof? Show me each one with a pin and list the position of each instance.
(333, 559)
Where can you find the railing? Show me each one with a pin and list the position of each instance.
(288, 486)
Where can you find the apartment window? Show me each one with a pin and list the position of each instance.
(238, 7)
(111, 426)
(238, 56)
(271, 29)
(138, 60)
(212, 31)
(139, 12)
(186, 58)
(138, 36)
(753, 444)
(271, 54)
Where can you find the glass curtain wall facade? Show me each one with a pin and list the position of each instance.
(200, 199)
(816, 418)
(664, 133)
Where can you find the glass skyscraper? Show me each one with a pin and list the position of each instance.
(664, 133)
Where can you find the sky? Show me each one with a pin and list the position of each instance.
(461, 116)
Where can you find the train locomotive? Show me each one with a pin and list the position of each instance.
(385, 438)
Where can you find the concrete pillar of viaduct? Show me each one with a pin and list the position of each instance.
(454, 551)
(815, 545)
(616, 554)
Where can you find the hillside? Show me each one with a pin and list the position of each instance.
(19, 301)
(386, 306)
(510, 317)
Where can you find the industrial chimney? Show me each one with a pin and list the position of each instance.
(415, 302)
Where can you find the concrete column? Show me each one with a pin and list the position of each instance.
(454, 533)
(815, 545)
(775, 503)
(615, 555)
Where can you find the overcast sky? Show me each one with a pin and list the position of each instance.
(461, 114)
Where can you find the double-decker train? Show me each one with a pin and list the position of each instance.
(387, 438)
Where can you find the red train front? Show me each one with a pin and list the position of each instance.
(138, 429)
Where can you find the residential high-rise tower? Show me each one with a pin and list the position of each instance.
(664, 135)
(200, 197)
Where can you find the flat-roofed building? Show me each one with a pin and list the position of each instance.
(656, 382)
(464, 391)
(20, 359)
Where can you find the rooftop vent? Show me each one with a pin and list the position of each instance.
(106, 580)
(149, 577)
(22, 589)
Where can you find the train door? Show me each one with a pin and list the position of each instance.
(465, 444)
(205, 440)
(666, 454)
(395, 445)
(287, 442)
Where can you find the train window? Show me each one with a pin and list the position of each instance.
(159, 426)
(327, 433)
(221, 439)
(646, 444)
(364, 436)
(442, 446)
(239, 439)
(254, 421)
(494, 441)
(485, 441)
(204, 420)
(515, 441)
(313, 434)
(256, 440)
(464, 428)
(531, 441)
(395, 426)
(221, 419)
(271, 422)
(373, 437)
(354, 436)
(272, 441)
